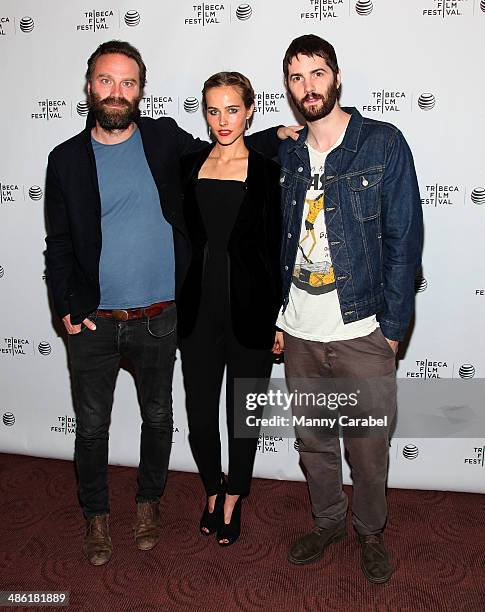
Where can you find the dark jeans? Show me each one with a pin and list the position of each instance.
(149, 344)
(367, 358)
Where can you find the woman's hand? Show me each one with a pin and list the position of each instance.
(279, 343)
(290, 131)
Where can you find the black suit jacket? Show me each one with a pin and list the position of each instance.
(253, 249)
(73, 208)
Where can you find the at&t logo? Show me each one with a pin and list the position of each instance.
(446, 8)
(49, 110)
(270, 444)
(26, 25)
(94, 21)
(322, 9)
(426, 101)
(268, 102)
(429, 368)
(8, 419)
(467, 370)
(478, 194)
(158, 106)
(132, 18)
(8, 193)
(442, 195)
(420, 284)
(364, 7)
(2, 271)
(191, 105)
(82, 108)
(410, 451)
(44, 348)
(207, 14)
(478, 457)
(244, 12)
(386, 101)
(35, 193)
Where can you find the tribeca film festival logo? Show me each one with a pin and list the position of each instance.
(64, 425)
(443, 195)
(386, 101)
(323, 9)
(159, 106)
(430, 368)
(48, 110)
(206, 14)
(175, 431)
(268, 102)
(9, 193)
(93, 21)
(20, 347)
(270, 444)
(446, 8)
(477, 459)
(15, 347)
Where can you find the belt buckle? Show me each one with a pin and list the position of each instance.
(120, 315)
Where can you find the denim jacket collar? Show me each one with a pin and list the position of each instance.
(351, 138)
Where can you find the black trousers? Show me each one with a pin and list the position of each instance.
(205, 353)
(149, 344)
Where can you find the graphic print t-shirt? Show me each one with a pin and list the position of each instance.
(313, 311)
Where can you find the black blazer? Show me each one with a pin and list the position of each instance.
(73, 207)
(253, 249)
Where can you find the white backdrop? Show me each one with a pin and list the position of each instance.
(414, 63)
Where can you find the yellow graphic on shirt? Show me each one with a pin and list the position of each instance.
(313, 277)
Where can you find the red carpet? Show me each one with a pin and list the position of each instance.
(437, 541)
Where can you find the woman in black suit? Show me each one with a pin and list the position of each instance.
(229, 300)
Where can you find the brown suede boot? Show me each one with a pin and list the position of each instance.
(147, 528)
(311, 546)
(97, 542)
(375, 559)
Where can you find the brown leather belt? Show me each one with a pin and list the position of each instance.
(135, 313)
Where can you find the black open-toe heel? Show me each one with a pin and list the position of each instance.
(212, 520)
(231, 531)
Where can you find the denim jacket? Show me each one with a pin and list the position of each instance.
(373, 217)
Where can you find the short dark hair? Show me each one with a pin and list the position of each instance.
(310, 45)
(123, 48)
(230, 79)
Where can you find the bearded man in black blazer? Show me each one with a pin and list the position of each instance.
(115, 238)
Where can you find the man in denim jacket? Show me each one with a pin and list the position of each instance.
(351, 249)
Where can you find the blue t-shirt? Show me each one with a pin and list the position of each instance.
(137, 260)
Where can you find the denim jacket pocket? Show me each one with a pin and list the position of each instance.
(365, 194)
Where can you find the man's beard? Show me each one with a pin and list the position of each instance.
(315, 112)
(111, 119)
